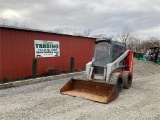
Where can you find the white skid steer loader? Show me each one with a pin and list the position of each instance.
(110, 70)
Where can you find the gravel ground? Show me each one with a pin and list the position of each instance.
(43, 101)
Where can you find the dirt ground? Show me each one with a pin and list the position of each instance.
(43, 101)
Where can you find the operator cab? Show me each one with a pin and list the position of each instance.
(105, 52)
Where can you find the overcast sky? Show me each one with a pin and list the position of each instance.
(101, 16)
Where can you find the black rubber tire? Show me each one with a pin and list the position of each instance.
(127, 79)
(116, 79)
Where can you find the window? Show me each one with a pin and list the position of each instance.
(101, 55)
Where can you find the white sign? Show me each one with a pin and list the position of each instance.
(46, 48)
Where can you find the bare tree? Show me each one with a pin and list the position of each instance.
(87, 32)
(16, 24)
(78, 34)
(67, 30)
(154, 41)
(125, 34)
(112, 37)
(145, 45)
(3, 21)
(70, 31)
(8, 22)
(133, 43)
(100, 36)
(58, 30)
(24, 25)
(74, 31)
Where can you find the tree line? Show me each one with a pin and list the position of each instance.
(126, 35)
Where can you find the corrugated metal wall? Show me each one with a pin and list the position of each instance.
(17, 52)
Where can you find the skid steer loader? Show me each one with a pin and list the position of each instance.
(110, 70)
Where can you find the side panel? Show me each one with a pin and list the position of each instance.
(129, 62)
(116, 64)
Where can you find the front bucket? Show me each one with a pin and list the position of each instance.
(93, 90)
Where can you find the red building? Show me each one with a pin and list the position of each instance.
(17, 49)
